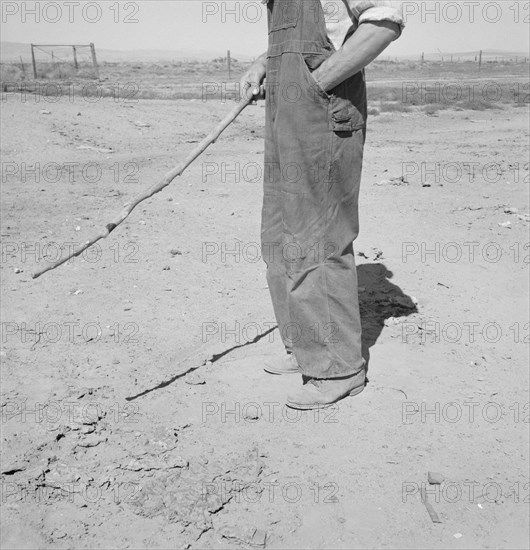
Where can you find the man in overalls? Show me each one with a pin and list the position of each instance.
(314, 139)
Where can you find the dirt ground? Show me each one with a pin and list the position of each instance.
(135, 409)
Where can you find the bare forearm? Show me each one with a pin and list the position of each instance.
(262, 58)
(368, 41)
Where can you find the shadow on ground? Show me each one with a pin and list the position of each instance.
(379, 300)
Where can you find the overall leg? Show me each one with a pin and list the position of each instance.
(271, 219)
(319, 186)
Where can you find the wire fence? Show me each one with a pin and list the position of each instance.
(193, 79)
(53, 62)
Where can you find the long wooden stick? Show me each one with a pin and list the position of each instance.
(168, 178)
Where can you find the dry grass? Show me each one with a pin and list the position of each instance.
(392, 86)
(394, 107)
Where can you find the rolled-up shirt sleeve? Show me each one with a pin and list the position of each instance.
(378, 10)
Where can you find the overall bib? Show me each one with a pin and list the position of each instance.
(314, 144)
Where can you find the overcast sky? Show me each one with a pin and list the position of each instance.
(241, 25)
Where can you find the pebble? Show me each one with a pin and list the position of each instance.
(259, 539)
(253, 415)
(434, 478)
(391, 321)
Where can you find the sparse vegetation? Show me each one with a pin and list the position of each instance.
(9, 72)
(396, 107)
(392, 86)
(478, 105)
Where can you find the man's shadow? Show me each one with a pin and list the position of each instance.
(379, 300)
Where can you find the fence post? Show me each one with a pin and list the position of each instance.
(76, 64)
(480, 60)
(33, 62)
(94, 59)
(228, 62)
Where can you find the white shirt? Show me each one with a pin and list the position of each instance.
(343, 15)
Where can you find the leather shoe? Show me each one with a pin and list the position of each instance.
(284, 365)
(321, 393)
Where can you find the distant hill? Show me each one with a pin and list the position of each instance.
(13, 51)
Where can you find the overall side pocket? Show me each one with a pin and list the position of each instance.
(312, 82)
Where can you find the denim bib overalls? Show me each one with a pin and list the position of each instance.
(314, 144)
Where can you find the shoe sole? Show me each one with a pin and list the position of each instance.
(314, 406)
(279, 373)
